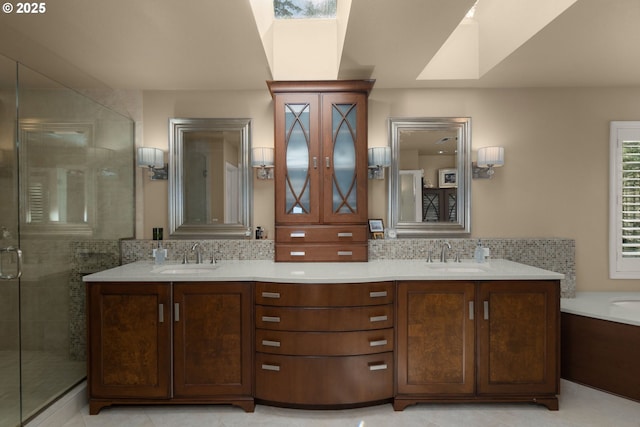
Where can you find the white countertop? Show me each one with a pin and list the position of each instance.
(600, 305)
(348, 272)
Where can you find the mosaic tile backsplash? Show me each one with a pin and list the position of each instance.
(550, 254)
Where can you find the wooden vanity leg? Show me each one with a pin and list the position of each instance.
(550, 402)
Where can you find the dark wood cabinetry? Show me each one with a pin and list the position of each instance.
(439, 205)
(321, 170)
(136, 329)
(491, 341)
(324, 344)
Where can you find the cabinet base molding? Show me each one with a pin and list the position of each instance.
(550, 402)
(246, 403)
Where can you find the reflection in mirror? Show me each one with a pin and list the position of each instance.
(209, 178)
(430, 176)
(57, 184)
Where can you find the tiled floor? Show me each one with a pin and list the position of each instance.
(579, 406)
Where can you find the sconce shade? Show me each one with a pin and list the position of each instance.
(262, 157)
(489, 157)
(150, 157)
(379, 156)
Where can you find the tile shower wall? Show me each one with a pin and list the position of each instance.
(551, 254)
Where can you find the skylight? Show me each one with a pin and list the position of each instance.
(304, 9)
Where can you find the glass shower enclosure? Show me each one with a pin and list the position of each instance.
(66, 199)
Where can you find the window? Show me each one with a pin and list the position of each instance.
(304, 9)
(624, 200)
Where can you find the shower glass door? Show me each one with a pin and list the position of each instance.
(9, 244)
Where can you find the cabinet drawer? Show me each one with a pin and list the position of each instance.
(321, 252)
(324, 319)
(322, 234)
(324, 343)
(324, 380)
(324, 295)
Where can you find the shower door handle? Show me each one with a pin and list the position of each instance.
(18, 252)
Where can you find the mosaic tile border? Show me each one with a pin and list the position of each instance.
(555, 254)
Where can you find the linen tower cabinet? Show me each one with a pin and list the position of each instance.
(321, 169)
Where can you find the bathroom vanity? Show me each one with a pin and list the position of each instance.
(323, 335)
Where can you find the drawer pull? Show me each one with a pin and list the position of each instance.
(271, 319)
(345, 234)
(377, 294)
(298, 234)
(274, 295)
(378, 318)
(176, 312)
(160, 313)
(268, 343)
(379, 367)
(471, 310)
(377, 343)
(486, 310)
(345, 253)
(266, 367)
(297, 253)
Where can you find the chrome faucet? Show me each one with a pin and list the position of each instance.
(443, 253)
(198, 251)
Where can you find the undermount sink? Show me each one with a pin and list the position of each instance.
(185, 269)
(457, 268)
(627, 304)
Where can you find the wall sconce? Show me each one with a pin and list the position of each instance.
(262, 160)
(379, 158)
(153, 158)
(488, 158)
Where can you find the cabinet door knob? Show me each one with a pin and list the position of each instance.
(161, 313)
(486, 310)
(176, 312)
(471, 310)
(327, 162)
(315, 162)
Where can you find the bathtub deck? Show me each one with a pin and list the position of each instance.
(604, 354)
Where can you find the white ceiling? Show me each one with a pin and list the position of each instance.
(214, 44)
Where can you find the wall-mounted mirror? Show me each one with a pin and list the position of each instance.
(430, 176)
(209, 178)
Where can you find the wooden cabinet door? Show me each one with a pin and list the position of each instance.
(344, 157)
(129, 340)
(518, 337)
(435, 338)
(297, 158)
(212, 339)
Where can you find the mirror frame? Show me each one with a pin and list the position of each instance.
(177, 228)
(440, 229)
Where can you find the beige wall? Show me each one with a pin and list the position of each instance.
(554, 182)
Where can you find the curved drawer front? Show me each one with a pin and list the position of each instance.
(324, 319)
(324, 343)
(324, 295)
(324, 380)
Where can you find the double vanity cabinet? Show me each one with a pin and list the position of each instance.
(312, 336)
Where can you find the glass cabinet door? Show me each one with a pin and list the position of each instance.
(297, 159)
(344, 157)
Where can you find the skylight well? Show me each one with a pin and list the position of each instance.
(304, 9)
